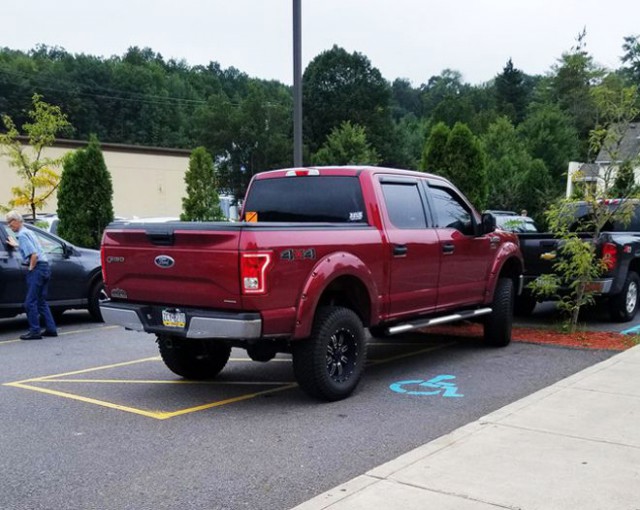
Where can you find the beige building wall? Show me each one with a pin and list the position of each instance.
(146, 181)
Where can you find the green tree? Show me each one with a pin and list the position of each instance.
(570, 86)
(346, 145)
(465, 164)
(202, 202)
(516, 180)
(434, 154)
(339, 86)
(38, 172)
(550, 136)
(85, 197)
(631, 58)
(511, 93)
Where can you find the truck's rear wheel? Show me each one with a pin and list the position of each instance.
(623, 306)
(329, 364)
(497, 325)
(193, 359)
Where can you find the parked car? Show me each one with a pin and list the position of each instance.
(76, 276)
(46, 221)
(511, 221)
(618, 244)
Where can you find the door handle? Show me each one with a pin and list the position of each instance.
(400, 250)
(448, 248)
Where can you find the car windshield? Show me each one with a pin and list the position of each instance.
(516, 223)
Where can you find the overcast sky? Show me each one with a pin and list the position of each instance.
(413, 39)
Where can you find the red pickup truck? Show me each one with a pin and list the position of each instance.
(321, 254)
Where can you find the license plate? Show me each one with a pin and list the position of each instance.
(173, 318)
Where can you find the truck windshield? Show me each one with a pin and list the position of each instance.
(333, 199)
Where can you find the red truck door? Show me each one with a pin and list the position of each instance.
(465, 257)
(414, 246)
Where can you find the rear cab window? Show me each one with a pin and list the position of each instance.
(321, 199)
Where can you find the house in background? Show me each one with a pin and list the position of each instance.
(593, 174)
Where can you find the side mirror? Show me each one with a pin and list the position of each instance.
(488, 223)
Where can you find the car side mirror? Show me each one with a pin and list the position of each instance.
(488, 223)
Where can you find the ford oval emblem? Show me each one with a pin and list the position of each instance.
(164, 261)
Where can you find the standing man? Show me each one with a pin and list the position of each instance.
(38, 276)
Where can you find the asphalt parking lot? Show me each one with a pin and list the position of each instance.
(93, 419)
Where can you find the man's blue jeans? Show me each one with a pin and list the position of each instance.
(35, 303)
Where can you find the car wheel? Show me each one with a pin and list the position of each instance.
(193, 359)
(329, 364)
(623, 306)
(97, 295)
(497, 325)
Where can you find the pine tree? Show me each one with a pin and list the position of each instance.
(84, 197)
(466, 164)
(434, 153)
(202, 202)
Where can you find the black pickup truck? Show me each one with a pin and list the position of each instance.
(620, 242)
(76, 277)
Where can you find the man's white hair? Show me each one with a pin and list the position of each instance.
(14, 215)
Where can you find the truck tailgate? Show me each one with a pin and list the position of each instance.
(177, 263)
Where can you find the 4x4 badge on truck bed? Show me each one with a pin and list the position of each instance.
(164, 261)
(298, 254)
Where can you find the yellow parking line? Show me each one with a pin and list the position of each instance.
(177, 381)
(158, 415)
(63, 333)
(102, 403)
(164, 416)
(408, 354)
(87, 370)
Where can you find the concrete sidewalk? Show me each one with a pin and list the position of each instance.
(573, 445)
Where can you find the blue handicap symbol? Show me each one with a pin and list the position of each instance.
(438, 384)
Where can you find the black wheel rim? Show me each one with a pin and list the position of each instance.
(342, 354)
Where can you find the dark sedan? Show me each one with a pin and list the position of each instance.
(76, 276)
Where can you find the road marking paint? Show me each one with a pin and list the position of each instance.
(437, 383)
(163, 415)
(64, 333)
(178, 381)
(634, 329)
(408, 354)
(158, 415)
(87, 370)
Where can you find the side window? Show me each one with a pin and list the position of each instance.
(48, 245)
(404, 205)
(451, 211)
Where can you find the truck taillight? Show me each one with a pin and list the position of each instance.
(253, 268)
(609, 255)
(103, 265)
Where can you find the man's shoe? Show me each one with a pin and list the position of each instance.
(44, 332)
(31, 336)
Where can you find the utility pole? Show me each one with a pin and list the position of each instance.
(297, 83)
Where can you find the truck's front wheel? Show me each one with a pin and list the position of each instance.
(623, 307)
(193, 359)
(497, 325)
(329, 364)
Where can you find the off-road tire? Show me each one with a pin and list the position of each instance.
(497, 325)
(97, 294)
(192, 358)
(623, 306)
(329, 364)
